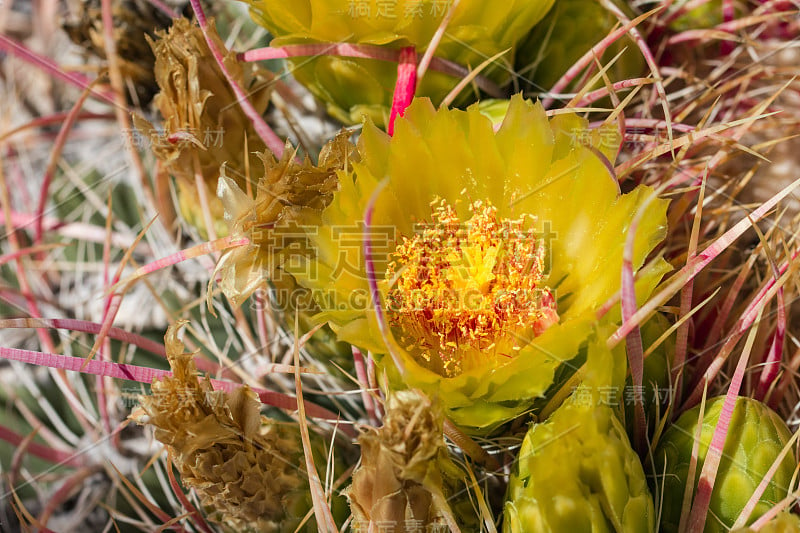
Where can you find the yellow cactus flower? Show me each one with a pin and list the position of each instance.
(492, 252)
(354, 87)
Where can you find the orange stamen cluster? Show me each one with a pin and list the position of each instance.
(467, 294)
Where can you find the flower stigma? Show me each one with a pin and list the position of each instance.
(465, 295)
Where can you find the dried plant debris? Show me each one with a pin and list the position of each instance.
(133, 20)
(406, 479)
(289, 196)
(247, 469)
(203, 126)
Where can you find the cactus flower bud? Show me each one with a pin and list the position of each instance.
(354, 87)
(755, 437)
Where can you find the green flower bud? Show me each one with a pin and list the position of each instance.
(354, 87)
(755, 438)
(577, 472)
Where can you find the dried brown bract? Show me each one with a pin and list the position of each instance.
(204, 126)
(133, 19)
(405, 473)
(289, 196)
(246, 468)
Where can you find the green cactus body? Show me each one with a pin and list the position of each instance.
(568, 31)
(657, 393)
(578, 472)
(706, 15)
(755, 438)
(783, 523)
(291, 301)
(494, 109)
(353, 88)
